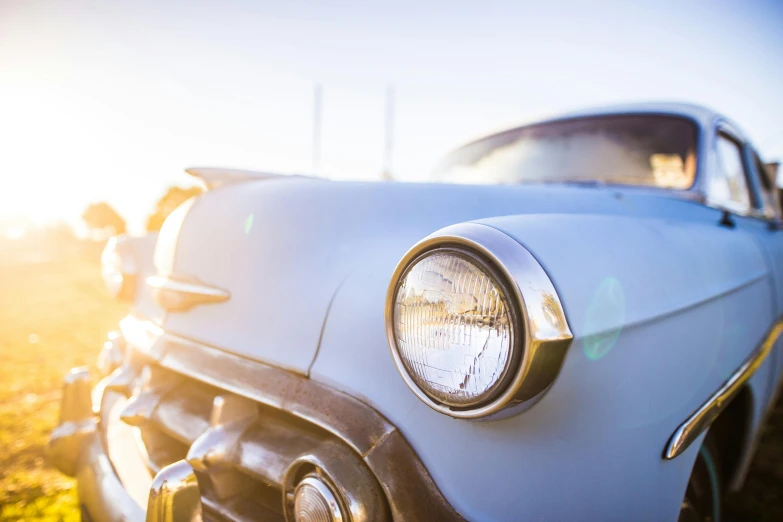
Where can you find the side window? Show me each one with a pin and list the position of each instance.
(728, 184)
(770, 203)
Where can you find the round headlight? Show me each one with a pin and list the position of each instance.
(118, 268)
(454, 327)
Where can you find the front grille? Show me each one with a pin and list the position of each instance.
(251, 432)
(242, 482)
(181, 415)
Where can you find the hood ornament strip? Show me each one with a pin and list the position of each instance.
(178, 293)
(214, 177)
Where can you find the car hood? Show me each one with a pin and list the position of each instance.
(282, 248)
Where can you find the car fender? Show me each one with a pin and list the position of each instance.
(662, 312)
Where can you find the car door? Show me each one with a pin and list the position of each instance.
(768, 209)
(734, 185)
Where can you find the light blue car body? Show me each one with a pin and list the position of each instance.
(663, 301)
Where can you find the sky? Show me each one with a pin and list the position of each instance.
(112, 100)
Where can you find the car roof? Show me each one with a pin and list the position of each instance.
(701, 114)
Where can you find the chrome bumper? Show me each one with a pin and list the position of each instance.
(100, 491)
(248, 434)
(77, 449)
(77, 422)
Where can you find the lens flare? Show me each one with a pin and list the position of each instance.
(606, 316)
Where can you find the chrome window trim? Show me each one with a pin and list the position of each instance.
(754, 166)
(724, 129)
(722, 126)
(545, 334)
(703, 417)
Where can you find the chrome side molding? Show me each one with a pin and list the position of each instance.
(177, 294)
(175, 495)
(702, 418)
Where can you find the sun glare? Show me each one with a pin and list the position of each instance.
(14, 232)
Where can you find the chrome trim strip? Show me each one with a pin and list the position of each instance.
(702, 418)
(280, 389)
(178, 293)
(545, 332)
(186, 287)
(214, 177)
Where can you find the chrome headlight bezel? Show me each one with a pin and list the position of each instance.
(541, 331)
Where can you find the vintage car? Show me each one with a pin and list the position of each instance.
(572, 320)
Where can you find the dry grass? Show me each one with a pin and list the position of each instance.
(55, 315)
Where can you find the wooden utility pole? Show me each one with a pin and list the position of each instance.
(388, 150)
(317, 128)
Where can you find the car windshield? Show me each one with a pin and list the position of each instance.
(656, 151)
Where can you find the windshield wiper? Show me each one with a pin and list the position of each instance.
(582, 182)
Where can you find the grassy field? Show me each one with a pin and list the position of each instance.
(55, 315)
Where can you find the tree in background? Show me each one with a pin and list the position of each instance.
(101, 217)
(173, 198)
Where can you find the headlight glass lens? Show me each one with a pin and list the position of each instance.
(453, 328)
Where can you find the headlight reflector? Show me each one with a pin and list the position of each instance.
(453, 325)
